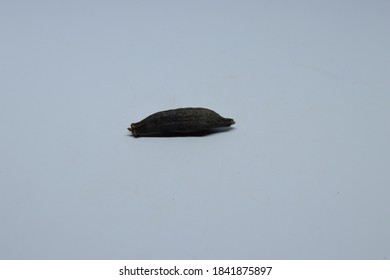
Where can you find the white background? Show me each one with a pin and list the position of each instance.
(194, 269)
(303, 175)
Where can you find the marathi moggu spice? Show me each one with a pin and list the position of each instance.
(180, 121)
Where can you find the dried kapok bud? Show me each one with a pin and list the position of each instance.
(180, 121)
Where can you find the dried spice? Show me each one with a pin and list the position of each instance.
(180, 121)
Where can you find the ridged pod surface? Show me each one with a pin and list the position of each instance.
(180, 121)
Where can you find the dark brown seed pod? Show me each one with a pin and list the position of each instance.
(180, 121)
